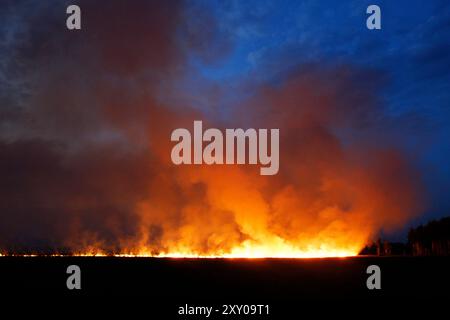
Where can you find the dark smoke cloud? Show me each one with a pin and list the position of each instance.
(76, 108)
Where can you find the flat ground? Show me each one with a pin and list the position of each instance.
(218, 279)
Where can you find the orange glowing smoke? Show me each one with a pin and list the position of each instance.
(328, 199)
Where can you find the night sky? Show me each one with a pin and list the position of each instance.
(85, 115)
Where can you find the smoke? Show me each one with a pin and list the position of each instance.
(85, 144)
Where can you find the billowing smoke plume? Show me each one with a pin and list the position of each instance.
(85, 144)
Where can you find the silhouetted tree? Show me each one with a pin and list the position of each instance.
(431, 239)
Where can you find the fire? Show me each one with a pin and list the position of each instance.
(256, 253)
(270, 252)
(286, 251)
(236, 220)
(230, 212)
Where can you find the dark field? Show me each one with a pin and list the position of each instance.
(218, 279)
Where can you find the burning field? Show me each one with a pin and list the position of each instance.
(85, 143)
